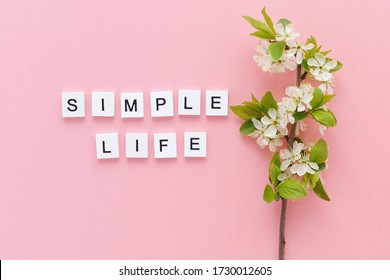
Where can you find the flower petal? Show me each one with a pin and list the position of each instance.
(291, 52)
(330, 65)
(255, 134)
(302, 169)
(270, 132)
(278, 142)
(320, 58)
(282, 177)
(309, 170)
(294, 169)
(289, 28)
(322, 87)
(266, 121)
(290, 65)
(313, 165)
(307, 47)
(257, 124)
(291, 43)
(306, 98)
(285, 154)
(283, 130)
(261, 141)
(299, 57)
(272, 146)
(326, 76)
(279, 28)
(301, 107)
(297, 147)
(272, 113)
(285, 164)
(312, 62)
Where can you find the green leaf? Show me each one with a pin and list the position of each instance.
(247, 127)
(298, 116)
(284, 21)
(319, 152)
(318, 97)
(320, 191)
(310, 53)
(263, 29)
(324, 117)
(311, 40)
(291, 189)
(269, 194)
(327, 98)
(276, 49)
(268, 20)
(274, 172)
(258, 34)
(314, 179)
(254, 99)
(337, 68)
(324, 53)
(321, 167)
(268, 102)
(305, 65)
(254, 106)
(244, 112)
(276, 160)
(305, 179)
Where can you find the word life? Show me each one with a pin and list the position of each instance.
(161, 105)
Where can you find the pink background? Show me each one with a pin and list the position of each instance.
(58, 202)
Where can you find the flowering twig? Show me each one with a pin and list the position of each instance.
(297, 169)
(282, 227)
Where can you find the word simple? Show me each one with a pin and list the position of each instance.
(107, 145)
(132, 103)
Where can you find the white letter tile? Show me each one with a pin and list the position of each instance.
(161, 103)
(107, 145)
(103, 104)
(132, 104)
(136, 145)
(165, 145)
(189, 102)
(216, 103)
(73, 104)
(195, 144)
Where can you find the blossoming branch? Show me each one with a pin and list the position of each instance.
(294, 169)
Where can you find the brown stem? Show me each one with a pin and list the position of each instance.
(291, 136)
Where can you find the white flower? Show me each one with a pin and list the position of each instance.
(273, 121)
(266, 136)
(279, 66)
(275, 142)
(298, 50)
(291, 155)
(266, 63)
(286, 33)
(327, 86)
(301, 126)
(286, 110)
(320, 68)
(287, 62)
(301, 96)
(262, 130)
(263, 58)
(307, 88)
(304, 166)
